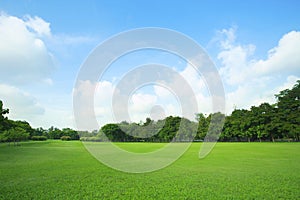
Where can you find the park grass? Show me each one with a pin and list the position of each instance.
(65, 170)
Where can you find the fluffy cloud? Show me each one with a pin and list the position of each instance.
(25, 60)
(238, 67)
(252, 82)
(38, 25)
(234, 58)
(22, 106)
(24, 56)
(284, 58)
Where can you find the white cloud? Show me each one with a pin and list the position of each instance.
(24, 56)
(284, 58)
(38, 25)
(22, 105)
(25, 59)
(101, 94)
(60, 117)
(235, 64)
(140, 105)
(290, 82)
(193, 78)
(238, 67)
(253, 82)
(227, 37)
(64, 39)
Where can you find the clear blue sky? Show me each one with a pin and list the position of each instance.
(236, 34)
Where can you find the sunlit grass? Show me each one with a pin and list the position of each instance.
(65, 170)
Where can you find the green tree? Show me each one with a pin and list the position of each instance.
(39, 132)
(288, 105)
(3, 119)
(215, 126)
(15, 135)
(236, 126)
(203, 124)
(54, 133)
(114, 133)
(24, 125)
(187, 131)
(71, 133)
(170, 128)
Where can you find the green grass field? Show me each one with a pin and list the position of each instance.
(65, 170)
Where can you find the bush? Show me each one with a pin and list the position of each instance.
(39, 138)
(91, 139)
(66, 138)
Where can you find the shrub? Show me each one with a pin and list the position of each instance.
(66, 138)
(39, 138)
(91, 139)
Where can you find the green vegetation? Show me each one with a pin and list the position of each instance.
(55, 169)
(16, 131)
(39, 138)
(280, 121)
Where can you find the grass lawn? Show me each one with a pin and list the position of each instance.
(65, 170)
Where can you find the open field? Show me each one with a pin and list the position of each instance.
(65, 170)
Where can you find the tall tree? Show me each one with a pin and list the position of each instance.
(288, 104)
(262, 117)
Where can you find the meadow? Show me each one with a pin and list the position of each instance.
(56, 169)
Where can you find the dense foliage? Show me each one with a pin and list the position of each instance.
(280, 121)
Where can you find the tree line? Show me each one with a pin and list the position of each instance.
(15, 131)
(266, 122)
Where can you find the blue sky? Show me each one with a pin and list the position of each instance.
(254, 45)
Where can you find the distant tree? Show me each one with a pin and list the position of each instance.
(148, 121)
(71, 133)
(15, 135)
(3, 118)
(203, 124)
(3, 111)
(215, 126)
(114, 133)
(87, 133)
(170, 128)
(39, 138)
(187, 131)
(39, 132)
(54, 133)
(66, 138)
